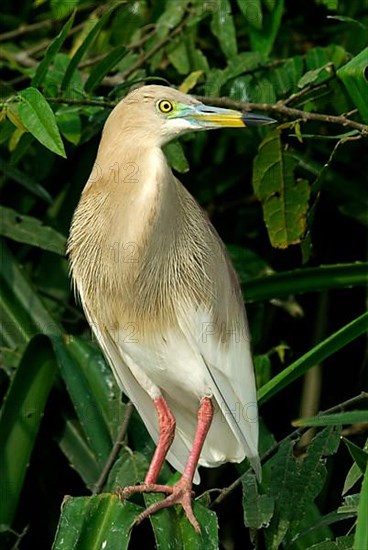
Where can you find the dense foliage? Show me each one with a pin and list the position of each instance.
(290, 201)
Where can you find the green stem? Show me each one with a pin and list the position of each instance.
(320, 352)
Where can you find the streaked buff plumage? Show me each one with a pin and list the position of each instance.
(172, 321)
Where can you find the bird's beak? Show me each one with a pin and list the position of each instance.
(217, 117)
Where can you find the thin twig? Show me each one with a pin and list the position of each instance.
(25, 29)
(24, 57)
(120, 77)
(89, 102)
(279, 108)
(299, 95)
(293, 435)
(115, 450)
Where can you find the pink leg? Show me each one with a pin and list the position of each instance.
(205, 415)
(181, 492)
(166, 421)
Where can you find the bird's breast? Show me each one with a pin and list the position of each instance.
(139, 251)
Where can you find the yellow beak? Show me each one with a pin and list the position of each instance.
(216, 117)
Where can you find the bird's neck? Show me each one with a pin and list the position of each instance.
(127, 192)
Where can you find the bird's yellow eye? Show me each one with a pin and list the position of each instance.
(165, 106)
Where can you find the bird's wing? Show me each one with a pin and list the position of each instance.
(229, 365)
(186, 363)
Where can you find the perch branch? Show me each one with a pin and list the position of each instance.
(289, 112)
(115, 449)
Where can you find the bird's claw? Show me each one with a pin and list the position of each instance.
(180, 493)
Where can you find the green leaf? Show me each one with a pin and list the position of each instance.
(62, 8)
(73, 362)
(77, 57)
(129, 469)
(315, 76)
(27, 181)
(176, 157)
(285, 78)
(173, 530)
(69, 124)
(26, 229)
(222, 26)
(103, 67)
(329, 4)
(270, 4)
(95, 522)
(346, 19)
(199, 61)
(244, 61)
(284, 198)
(341, 543)
(55, 75)
(354, 474)
(261, 90)
(316, 58)
(314, 527)
(295, 483)
(350, 505)
(20, 420)
(39, 119)
(252, 12)
(358, 455)
(354, 77)
(263, 369)
(319, 529)
(25, 311)
(361, 533)
(246, 262)
(178, 55)
(258, 508)
(337, 419)
(73, 444)
(299, 281)
(170, 17)
(319, 353)
(101, 381)
(262, 40)
(51, 51)
(128, 19)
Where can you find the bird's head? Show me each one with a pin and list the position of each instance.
(160, 113)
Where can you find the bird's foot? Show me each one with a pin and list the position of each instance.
(180, 493)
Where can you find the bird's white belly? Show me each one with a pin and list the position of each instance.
(167, 364)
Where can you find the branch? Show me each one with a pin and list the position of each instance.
(281, 109)
(292, 436)
(225, 102)
(80, 102)
(25, 29)
(24, 57)
(115, 450)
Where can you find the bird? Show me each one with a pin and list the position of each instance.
(160, 293)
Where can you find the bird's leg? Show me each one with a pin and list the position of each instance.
(181, 492)
(166, 422)
(167, 425)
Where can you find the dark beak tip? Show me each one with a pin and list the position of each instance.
(255, 119)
